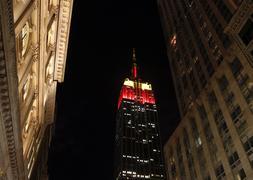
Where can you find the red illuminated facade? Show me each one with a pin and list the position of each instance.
(136, 93)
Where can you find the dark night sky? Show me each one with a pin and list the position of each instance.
(99, 59)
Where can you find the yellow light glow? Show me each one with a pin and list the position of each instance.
(144, 86)
(128, 82)
(173, 40)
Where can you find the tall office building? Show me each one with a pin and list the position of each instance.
(210, 49)
(138, 152)
(33, 51)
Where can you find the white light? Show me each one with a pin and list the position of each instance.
(128, 82)
(146, 86)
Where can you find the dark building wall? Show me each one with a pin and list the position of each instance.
(40, 171)
(197, 42)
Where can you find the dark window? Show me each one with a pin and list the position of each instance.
(233, 159)
(224, 10)
(224, 127)
(173, 169)
(248, 145)
(184, 80)
(242, 174)
(236, 112)
(207, 178)
(238, 2)
(219, 171)
(223, 83)
(236, 66)
(246, 32)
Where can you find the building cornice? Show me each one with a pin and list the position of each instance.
(9, 106)
(64, 22)
(240, 17)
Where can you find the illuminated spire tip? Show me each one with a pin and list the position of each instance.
(134, 57)
(134, 68)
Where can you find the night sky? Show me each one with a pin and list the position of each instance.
(99, 59)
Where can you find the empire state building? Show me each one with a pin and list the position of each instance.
(138, 152)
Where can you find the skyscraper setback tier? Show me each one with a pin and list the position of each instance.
(138, 149)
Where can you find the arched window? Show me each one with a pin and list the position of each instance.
(51, 34)
(27, 86)
(24, 39)
(50, 70)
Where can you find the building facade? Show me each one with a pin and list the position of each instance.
(138, 153)
(210, 49)
(33, 50)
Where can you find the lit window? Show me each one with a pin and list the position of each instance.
(173, 41)
(198, 142)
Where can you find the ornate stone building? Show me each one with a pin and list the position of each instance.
(210, 49)
(33, 50)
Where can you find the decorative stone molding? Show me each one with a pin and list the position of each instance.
(49, 79)
(241, 14)
(62, 38)
(36, 93)
(35, 52)
(2, 173)
(55, 10)
(35, 5)
(33, 27)
(34, 122)
(51, 47)
(9, 91)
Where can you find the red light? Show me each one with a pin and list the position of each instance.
(135, 71)
(136, 94)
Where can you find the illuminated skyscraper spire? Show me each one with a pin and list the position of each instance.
(138, 151)
(134, 68)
